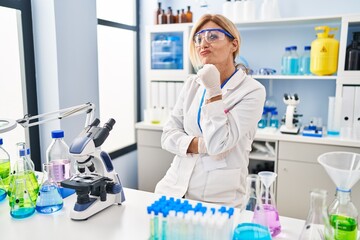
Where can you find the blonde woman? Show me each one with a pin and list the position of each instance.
(214, 120)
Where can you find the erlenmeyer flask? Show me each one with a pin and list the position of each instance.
(22, 169)
(266, 212)
(21, 205)
(3, 190)
(317, 225)
(49, 199)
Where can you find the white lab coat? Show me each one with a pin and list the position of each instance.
(228, 129)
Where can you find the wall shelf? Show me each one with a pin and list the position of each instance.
(294, 77)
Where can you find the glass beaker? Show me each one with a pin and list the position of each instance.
(49, 199)
(21, 204)
(266, 212)
(317, 225)
(252, 191)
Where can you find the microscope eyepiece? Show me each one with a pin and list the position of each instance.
(109, 124)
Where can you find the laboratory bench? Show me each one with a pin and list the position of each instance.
(127, 221)
(292, 157)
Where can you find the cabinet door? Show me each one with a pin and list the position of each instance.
(152, 166)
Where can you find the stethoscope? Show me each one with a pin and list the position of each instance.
(203, 97)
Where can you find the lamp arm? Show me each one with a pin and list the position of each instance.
(88, 108)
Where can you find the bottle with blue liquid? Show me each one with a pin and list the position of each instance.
(49, 199)
(284, 61)
(305, 61)
(293, 61)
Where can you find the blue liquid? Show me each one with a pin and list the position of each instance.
(2, 194)
(22, 212)
(246, 231)
(293, 65)
(49, 209)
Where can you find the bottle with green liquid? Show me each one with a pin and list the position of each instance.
(23, 170)
(343, 216)
(4, 171)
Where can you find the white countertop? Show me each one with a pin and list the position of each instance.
(128, 221)
(266, 135)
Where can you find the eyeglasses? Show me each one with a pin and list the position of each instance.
(211, 35)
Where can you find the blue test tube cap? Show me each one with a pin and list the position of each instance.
(149, 209)
(1, 141)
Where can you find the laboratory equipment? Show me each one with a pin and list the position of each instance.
(227, 10)
(284, 61)
(314, 129)
(49, 199)
(344, 170)
(157, 13)
(293, 61)
(4, 170)
(251, 193)
(97, 185)
(305, 61)
(62, 167)
(291, 120)
(352, 59)
(324, 52)
(317, 225)
(253, 231)
(189, 14)
(21, 202)
(266, 212)
(23, 170)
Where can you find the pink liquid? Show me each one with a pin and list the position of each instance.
(270, 217)
(60, 169)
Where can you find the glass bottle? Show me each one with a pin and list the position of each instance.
(4, 171)
(305, 62)
(293, 61)
(177, 16)
(22, 145)
(263, 121)
(21, 200)
(268, 214)
(343, 216)
(22, 170)
(162, 17)
(182, 18)
(169, 16)
(284, 61)
(157, 13)
(317, 225)
(274, 121)
(58, 155)
(189, 15)
(49, 199)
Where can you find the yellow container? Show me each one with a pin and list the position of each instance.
(324, 52)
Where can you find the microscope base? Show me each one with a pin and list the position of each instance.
(284, 129)
(94, 208)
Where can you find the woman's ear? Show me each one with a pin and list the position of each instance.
(235, 44)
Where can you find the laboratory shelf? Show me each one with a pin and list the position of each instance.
(294, 77)
(262, 156)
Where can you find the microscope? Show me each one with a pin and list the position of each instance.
(96, 184)
(291, 120)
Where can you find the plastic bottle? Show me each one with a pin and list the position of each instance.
(305, 61)
(343, 216)
(317, 225)
(284, 61)
(293, 61)
(157, 13)
(238, 11)
(4, 171)
(249, 10)
(324, 52)
(227, 10)
(189, 15)
(352, 60)
(58, 155)
(274, 121)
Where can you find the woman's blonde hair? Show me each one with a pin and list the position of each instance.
(220, 20)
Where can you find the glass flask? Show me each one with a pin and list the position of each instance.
(4, 171)
(266, 212)
(22, 145)
(252, 191)
(21, 204)
(317, 225)
(49, 199)
(343, 216)
(22, 169)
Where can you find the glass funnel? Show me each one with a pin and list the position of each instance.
(317, 225)
(49, 199)
(266, 212)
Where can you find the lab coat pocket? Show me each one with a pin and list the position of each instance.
(221, 185)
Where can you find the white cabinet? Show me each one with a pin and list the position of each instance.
(299, 173)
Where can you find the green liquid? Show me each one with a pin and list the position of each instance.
(32, 187)
(5, 173)
(345, 227)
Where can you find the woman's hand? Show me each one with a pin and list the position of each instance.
(197, 145)
(210, 77)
